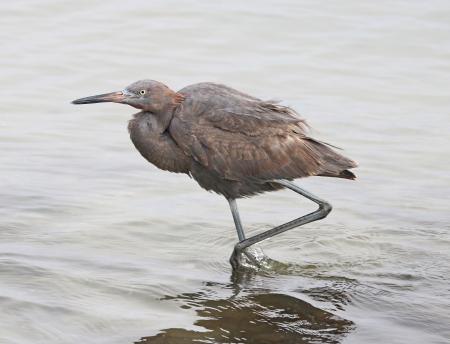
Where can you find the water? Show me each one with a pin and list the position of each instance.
(97, 246)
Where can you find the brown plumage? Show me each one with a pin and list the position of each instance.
(229, 142)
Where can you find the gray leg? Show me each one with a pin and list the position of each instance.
(237, 219)
(323, 210)
(235, 260)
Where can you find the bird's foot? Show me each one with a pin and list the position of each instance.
(250, 257)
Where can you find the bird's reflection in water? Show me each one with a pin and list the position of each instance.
(256, 316)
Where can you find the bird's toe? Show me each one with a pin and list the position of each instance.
(235, 259)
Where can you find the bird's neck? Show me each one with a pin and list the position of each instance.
(160, 112)
(157, 122)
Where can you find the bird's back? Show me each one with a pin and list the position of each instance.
(208, 96)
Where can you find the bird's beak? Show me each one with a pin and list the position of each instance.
(114, 97)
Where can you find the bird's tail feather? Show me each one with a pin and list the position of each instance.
(333, 164)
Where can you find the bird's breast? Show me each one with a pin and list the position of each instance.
(156, 147)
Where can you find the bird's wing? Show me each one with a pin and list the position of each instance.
(253, 140)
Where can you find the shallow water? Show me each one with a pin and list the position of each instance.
(98, 246)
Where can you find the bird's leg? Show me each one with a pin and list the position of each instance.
(235, 258)
(323, 210)
(236, 218)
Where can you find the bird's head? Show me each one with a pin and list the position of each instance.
(147, 95)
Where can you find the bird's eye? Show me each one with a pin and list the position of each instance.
(142, 92)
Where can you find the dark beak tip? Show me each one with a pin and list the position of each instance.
(80, 101)
(114, 97)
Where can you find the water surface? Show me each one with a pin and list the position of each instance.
(98, 246)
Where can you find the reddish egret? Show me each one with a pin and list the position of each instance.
(231, 143)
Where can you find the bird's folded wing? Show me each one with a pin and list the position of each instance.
(261, 143)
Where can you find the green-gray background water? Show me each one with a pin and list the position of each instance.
(98, 246)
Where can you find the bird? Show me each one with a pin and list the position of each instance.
(230, 143)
